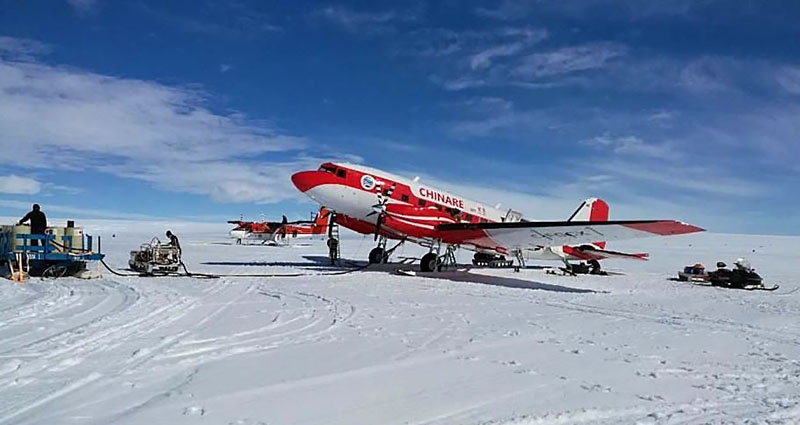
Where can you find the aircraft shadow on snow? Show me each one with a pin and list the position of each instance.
(324, 263)
(469, 277)
(508, 282)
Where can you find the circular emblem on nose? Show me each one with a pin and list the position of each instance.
(367, 182)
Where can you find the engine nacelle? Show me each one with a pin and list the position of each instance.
(416, 222)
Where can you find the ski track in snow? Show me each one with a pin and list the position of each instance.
(372, 347)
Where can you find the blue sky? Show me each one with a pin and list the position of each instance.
(686, 109)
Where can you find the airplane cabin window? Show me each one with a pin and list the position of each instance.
(404, 198)
(421, 202)
(341, 173)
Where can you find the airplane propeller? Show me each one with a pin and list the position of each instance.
(380, 207)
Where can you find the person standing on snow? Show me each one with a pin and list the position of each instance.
(173, 240)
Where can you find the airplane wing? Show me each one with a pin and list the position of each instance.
(535, 234)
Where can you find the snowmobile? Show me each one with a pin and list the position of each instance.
(741, 277)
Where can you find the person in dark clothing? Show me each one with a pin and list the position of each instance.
(333, 249)
(173, 240)
(282, 231)
(38, 222)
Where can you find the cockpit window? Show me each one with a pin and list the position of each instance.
(341, 173)
(328, 168)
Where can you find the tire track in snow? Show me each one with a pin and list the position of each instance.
(74, 386)
(310, 317)
(78, 343)
(136, 329)
(307, 325)
(127, 301)
(54, 301)
(672, 413)
(780, 336)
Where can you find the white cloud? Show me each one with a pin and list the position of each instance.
(568, 59)
(461, 83)
(518, 126)
(18, 185)
(72, 119)
(470, 59)
(763, 132)
(788, 77)
(483, 106)
(227, 20)
(633, 146)
(83, 6)
(509, 10)
(483, 59)
(223, 68)
(506, 56)
(52, 189)
(646, 177)
(364, 22)
(708, 74)
(21, 48)
(67, 211)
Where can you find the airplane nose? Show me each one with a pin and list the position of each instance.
(305, 180)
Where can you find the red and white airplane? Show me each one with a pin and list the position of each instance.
(279, 232)
(371, 201)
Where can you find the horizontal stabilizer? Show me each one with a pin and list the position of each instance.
(604, 253)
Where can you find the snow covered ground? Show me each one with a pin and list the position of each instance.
(371, 347)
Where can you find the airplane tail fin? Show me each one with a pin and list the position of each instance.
(592, 209)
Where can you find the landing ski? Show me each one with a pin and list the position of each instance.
(405, 272)
(761, 288)
(746, 288)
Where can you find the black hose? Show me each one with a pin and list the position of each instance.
(202, 275)
(336, 273)
(187, 273)
(103, 262)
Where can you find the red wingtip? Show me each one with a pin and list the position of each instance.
(666, 227)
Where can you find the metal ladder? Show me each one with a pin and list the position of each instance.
(334, 253)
